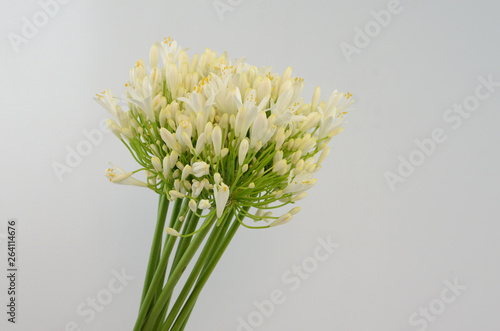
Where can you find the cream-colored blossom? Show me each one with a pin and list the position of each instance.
(224, 132)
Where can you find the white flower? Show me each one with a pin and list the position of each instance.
(196, 188)
(204, 204)
(200, 169)
(123, 177)
(193, 121)
(300, 183)
(141, 96)
(332, 114)
(107, 100)
(170, 140)
(221, 195)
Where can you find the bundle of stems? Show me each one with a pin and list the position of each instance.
(162, 277)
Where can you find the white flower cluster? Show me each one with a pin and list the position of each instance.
(225, 135)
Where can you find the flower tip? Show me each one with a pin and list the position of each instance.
(173, 232)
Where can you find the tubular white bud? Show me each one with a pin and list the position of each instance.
(113, 126)
(187, 140)
(244, 145)
(217, 139)
(128, 133)
(310, 167)
(221, 195)
(193, 205)
(278, 156)
(156, 164)
(315, 99)
(264, 88)
(296, 157)
(176, 194)
(323, 156)
(283, 219)
(280, 139)
(153, 56)
(174, 156)
(186, 172)
(312, 121)
(224, 122)
(217, 178)
(258, 146)
(173, 232)
(279, 166)
(200, 143)
(170, 140)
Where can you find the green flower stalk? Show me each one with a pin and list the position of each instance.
(226, 141)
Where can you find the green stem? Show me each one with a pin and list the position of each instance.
(190, 225)
(175, 276)
(176, 223)
(185, 241)
(175, 212)
(207, 271)
(157, 243)
(157, 278)
(205, 255)
(186, 320)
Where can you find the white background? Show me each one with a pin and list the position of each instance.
(397, 248)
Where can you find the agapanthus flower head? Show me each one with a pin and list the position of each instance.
(224, 134)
